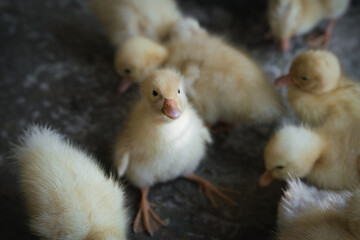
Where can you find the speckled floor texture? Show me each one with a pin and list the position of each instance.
(56, 68)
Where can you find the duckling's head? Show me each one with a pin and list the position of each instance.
(135, 59)
(313, 71)
(291, 152)
(163, 92)
(283, 15)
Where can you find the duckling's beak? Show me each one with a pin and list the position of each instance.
(266, 179)
(124, 85)
(171, 109)
(284, 81)
(284, 44)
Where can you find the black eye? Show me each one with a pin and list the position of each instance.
(155, 93)
(127, 71)
(179, 91)
(304, 78)
(279, 167)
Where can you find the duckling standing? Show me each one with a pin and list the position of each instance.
(319, 91)
(124, 19)
(67, 194)
(223, 83)
(328, 156)
(306, 213)
(289, 18)
(163, 139)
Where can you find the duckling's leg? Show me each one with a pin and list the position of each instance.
(323, 40)
(328, 32)
(143, 213)
(209, 189)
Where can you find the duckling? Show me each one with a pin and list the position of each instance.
(214, 68)
(136, 58)
(319, 91)
(163, 139)
(67, 194)
(211, 68)
(139, 55)
(123, 19)
(328, 156)
(289, 18)
(311, 214)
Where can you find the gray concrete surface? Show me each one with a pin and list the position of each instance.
(56, 68)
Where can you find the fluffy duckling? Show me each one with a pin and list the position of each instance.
(139, 55)
(306, 213)
(318, 90)
(67, 194)
(163, 139)
(328, 156)
(289, 18)
(223, 83)
(128, 18)
(125, 19)
(136, 58)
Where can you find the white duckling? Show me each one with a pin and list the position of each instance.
(163, 139)
(67, 194)
(318, 89)
(328, 156)
(306, 213)
(289, 18)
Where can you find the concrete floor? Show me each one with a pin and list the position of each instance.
(56, 68)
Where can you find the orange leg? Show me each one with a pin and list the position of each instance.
(328, 32)
(143, 214)
(323, 40)
(209, 189)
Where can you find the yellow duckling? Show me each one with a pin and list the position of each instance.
(67, 194)
(223, 83)
(124, 19)
(306, 213)
(289, 18)
(328, 156)
(163, 139)
(319, 91)
(139, 55)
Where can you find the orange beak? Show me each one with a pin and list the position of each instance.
(284, 45)
(124, 85)
(283, 81)
(266, 179)
(171, 109)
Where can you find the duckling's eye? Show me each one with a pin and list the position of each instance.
(304, 78)
(279, 167)
(179, 91)
(154, 93)
(127, 71)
